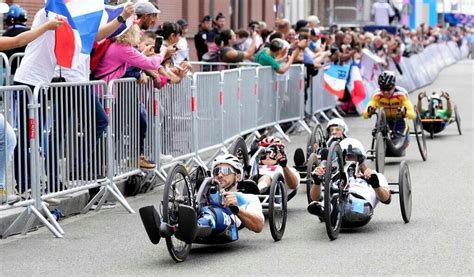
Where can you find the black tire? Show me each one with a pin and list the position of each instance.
(381, 124)
(334, 182)
(316, 140)
(133, 185)
(431, 131)
(311, 164)
(404, 190)
(420, 137)
(239, 149)
(277, 208)
(177, 191)
(458, 119)
(380, 150)
(197, 177)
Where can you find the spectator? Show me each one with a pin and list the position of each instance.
(219, 23)
(284, 27)
(182, 52)
(241, 37)
(174, 71)
(7, 145)
(200, 39)
(382, 11)
(228, 54)
(254, 26)
(313, 22)
(267, 56)
(15, 21)
(147, 15)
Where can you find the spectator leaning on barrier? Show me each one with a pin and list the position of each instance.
(170, 68)
(267, 55)
(225, 40)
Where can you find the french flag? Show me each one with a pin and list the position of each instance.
(335, 79)
(77, 36)
(356, 85)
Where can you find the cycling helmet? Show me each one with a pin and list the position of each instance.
(436, 100)
(269, 141)
(357, 150)
(16, 13)
(387, 79)
(339, 123)
(230, 160)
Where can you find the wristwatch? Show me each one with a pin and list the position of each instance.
(120, 19)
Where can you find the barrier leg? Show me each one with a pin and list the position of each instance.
(44, 221)
(304, 125)
(15, 223)
(279, 130)
(96, 197)
(323, 115)
(336, 112)
(119, 197)
(51, 218)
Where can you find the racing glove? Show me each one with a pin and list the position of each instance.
(283, 161)
(374, 181)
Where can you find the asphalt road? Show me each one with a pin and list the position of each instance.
(438, 240)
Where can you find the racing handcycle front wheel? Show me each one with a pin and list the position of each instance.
(404, 191)
(311, 165)
(458, 119)
(277, 207)
(177, 190)
(334, 185)
(420, 137)
(315, 141)
(380, 148)
(239, 149)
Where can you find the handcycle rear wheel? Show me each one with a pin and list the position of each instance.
(315, 141)
(277, 208)
(334, 182)
(404, 191)
(178, 190)
(380, 148)
(311, 164)
(420, 137)
(458, 119)
(239, 149)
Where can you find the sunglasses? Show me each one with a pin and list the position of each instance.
(224, 170)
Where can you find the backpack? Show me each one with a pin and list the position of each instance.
(98, 52)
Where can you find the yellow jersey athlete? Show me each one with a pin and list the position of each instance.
(394, 100)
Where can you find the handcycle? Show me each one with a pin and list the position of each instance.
(384, 145)
(184, 197)
(336, 181)
(432, 122)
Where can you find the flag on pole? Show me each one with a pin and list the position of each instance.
(78, 35)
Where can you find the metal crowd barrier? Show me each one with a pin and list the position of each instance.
(14, 62)
(21, 106)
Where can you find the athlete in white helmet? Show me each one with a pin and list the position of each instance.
(366, 186)
(336, 129)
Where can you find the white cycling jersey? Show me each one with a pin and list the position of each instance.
(360, 187)
(249, 203)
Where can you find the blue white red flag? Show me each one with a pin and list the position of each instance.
(112, 12)
(335, 79)
(356, 85)
(78, 35)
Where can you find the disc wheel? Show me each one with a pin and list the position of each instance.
(404, 188)
(311, 164)
(420, 137)
(177, 191)
(239, 149)
(315, 141)
(458, 119)
(380, 150)
(277, 208)
(334, 182)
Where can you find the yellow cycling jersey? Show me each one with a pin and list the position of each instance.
(391, 104)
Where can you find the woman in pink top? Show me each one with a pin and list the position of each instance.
(122, 54)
